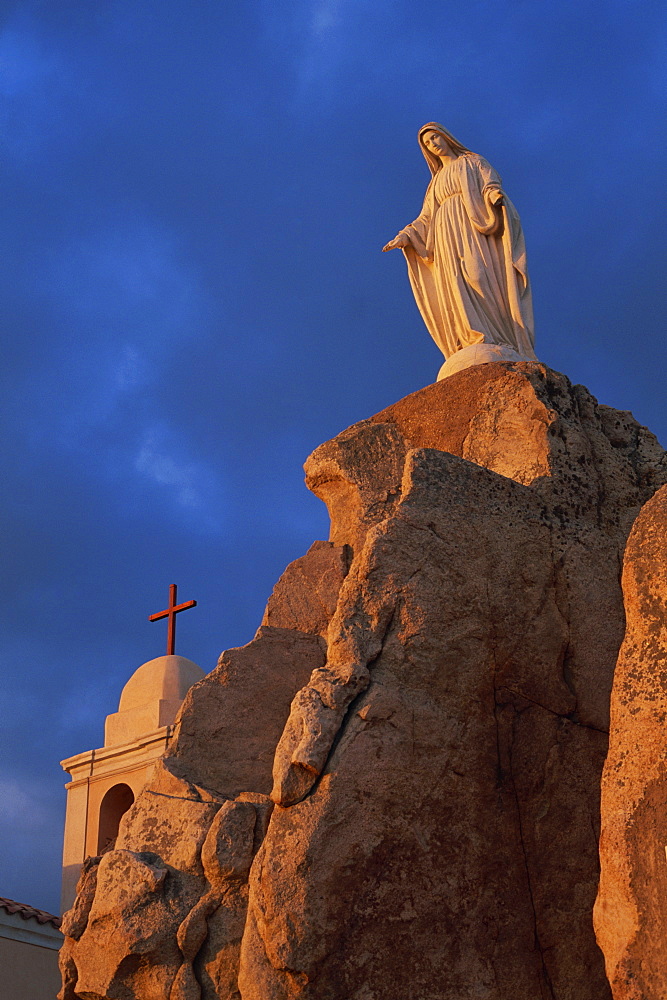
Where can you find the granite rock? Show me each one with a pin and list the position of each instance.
(440, 738)
(426, 702)
(437, 783)
(631, 913)
(239, 711)
(305, 597)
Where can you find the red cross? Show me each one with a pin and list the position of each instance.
(171, 613)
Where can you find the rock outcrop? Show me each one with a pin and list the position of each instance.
(162, 915)
(393, 791)
(631, 910)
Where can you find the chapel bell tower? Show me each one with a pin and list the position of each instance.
(105, 782)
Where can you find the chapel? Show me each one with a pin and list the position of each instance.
(106, 781)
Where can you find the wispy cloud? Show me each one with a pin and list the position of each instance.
(190, 484)
(327, 14)
(22, 806)
(131, 369)
(24, 63)
(127, 274)
(317, 43)
(120, 301)
(153, 461)
(33, 83)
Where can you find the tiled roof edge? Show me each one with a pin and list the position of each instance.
(29, 912)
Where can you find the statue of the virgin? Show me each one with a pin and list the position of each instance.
(467, 259)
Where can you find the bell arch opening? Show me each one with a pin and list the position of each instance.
(115, 803)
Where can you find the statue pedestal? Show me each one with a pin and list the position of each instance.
(478, 354)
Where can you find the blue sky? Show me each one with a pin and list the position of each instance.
(195, 193)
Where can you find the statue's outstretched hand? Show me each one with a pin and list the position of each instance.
(399, 241)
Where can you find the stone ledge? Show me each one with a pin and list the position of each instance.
(101, 760)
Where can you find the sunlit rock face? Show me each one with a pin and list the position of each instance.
(631, 910)
(393, 791)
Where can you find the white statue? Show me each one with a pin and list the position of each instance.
(467, 259)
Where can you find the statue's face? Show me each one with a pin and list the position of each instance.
(436, 143)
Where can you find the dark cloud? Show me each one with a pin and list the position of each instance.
(194, 298)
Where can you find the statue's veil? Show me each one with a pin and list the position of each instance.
(434, 162)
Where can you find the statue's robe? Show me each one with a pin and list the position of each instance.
(467, 261)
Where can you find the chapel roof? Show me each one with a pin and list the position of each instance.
(167, 678)
(29, 912)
